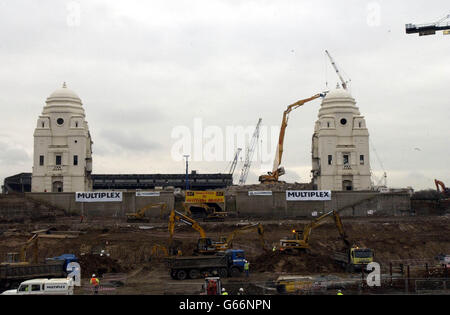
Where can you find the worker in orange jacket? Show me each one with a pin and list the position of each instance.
(95, 283)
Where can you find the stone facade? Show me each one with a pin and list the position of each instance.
(62, 159)
(340, 145)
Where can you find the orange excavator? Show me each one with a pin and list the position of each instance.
(442, 190)
(277, 171)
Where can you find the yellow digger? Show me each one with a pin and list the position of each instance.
(205, 246)
(139, 216)
(300, 240)
(227, 242)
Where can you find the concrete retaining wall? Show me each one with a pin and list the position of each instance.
(274, 206)
(348, 204)
(130, 203)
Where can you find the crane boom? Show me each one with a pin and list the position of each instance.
(277, 170)
(234, 163)
(344, 83)
(430, 28)
(249, 154)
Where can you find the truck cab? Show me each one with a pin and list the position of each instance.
(57, 286)
(236, 258)
(361, 256)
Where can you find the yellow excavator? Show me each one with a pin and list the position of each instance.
(227, 242)
(21, 257)
(300, 240)
(351, 258)
(277, 171)
(205, 245)
(209, 211)
(139, 216)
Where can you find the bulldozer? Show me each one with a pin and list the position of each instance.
(139, 216)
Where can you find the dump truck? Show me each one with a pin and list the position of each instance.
(223, 264)
(11, 275)
(353, 258)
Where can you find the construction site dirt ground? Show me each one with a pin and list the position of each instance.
(131, 268)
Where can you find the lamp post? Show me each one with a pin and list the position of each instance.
(187, 176)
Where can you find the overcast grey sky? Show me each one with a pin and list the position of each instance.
(143, 68)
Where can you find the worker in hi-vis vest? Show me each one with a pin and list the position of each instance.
(95, 283)
(246, 267)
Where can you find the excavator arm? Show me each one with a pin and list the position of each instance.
(440, 187)
(302, 237)
(277, 171)
(140, 214)
(258, 227)
(178, 216)
(33, 241)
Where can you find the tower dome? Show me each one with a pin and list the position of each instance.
(64, 93)
(63, 99)
(338, 100)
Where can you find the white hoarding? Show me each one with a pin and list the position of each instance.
(308, 195)
(260, 193)
(148, 193)
(101, 196)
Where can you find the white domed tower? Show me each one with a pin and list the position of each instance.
(62, 146)
(340, 145)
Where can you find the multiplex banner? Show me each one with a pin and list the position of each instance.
(204, 196)
(101, 196)
(308, 195)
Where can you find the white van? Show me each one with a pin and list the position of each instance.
(58, 286)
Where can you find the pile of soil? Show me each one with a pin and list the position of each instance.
(96, 264)
(293, 263)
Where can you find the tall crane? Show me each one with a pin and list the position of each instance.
(249, 154)
(430, 28)
(277, 170)
(234, 162)
(344, 83)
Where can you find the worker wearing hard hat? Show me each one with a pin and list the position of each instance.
(224, 292)
(339, 292)
(95, 283)
(241, 291)
(246, 267)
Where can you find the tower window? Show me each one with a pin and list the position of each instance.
(360, 124)
(346, 159)
(60, 121)
(75, 160)
(343, 121)
(328, 124)
(330, 159)
(43, 124)
(41, 160)
(58, 160)
(76, 124)
(361, 159)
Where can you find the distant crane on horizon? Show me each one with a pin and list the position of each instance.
(430, 28)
